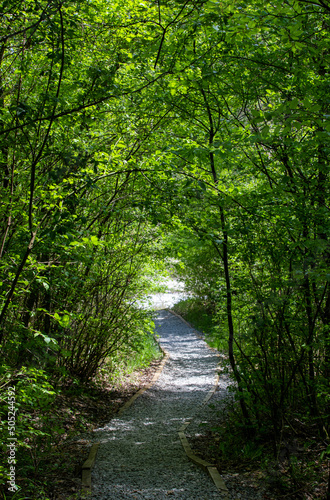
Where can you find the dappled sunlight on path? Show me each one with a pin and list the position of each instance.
(140, 455)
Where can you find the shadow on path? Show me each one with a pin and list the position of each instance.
(140, 456)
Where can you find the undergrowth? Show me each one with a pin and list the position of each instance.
(199, 313)
(298, 470)
(124, 364)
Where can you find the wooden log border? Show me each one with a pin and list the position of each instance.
(206, 466)
(86, 480)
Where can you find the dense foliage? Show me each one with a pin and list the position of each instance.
(208, 120)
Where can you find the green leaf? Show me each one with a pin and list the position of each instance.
(95, 240)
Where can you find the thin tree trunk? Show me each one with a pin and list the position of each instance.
(230, 321)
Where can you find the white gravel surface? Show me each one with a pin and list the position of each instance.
(141, 456)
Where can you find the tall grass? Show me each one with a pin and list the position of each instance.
(126, 364)
(201, 315)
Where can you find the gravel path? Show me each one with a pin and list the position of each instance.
(141, 456)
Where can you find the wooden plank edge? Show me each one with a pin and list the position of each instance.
(206, 466)
(198, 334)
(182, 319)
(218, 481)
(190, 454)
(86, 478)
(153, 381)
(185, 424)
(89, 463)
(212, 391)
(86, 484)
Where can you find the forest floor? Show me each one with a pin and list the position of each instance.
(298, 476)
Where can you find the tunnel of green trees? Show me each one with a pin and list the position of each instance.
(139, 131)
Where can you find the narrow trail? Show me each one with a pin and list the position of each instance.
(140, 455)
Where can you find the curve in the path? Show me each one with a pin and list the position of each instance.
(140, 455)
